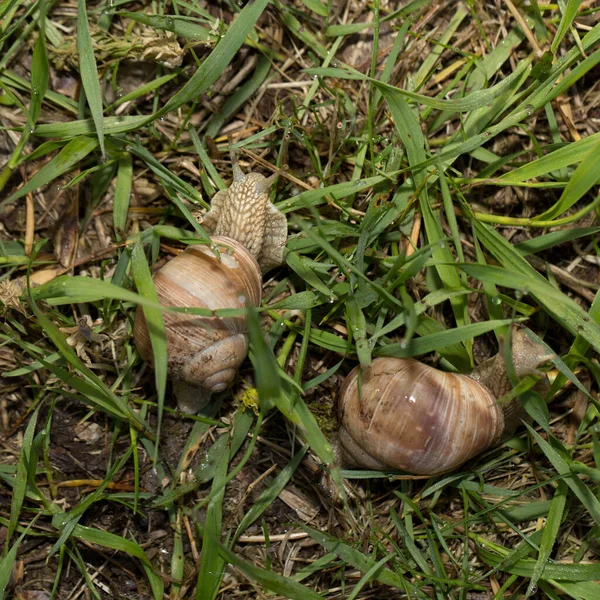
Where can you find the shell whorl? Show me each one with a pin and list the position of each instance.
(198, 346)
(405, 415)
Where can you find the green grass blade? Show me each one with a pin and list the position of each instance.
(439, 340)
(89, 71)
(553, 521)
(569, 12)
(122, 193)
(156, 326)
(75, 151)
(212, 68)
(585, 177)
(116, 542)
(21, 478)
(565, 156)
(211, 564)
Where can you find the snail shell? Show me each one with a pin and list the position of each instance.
(402, 414)
(203, 352)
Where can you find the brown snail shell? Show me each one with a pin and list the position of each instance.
(402, 414)
(203, 352)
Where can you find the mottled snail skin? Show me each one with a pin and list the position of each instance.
(405, 415)
(204, 353)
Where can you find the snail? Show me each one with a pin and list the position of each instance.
(402, 414)
(204, 353)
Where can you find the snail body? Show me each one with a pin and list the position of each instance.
(204, 353)
(402, 414)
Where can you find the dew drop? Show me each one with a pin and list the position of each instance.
(529, 109)
(586, 319)
(442, 245)
(496, 300)
(331, 299)
(487, 134)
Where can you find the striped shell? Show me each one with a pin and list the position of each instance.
(412, 417)
(204, 352)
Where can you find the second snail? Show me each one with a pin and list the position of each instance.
(404, 415)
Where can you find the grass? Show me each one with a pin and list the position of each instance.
(441, 183)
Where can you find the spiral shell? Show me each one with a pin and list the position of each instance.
(204, 352)
(402, 414)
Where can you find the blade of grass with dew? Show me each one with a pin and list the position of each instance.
(156, 329)
(177, 553)
(569, 12)
(564, 309)
(553, 571)
(317, 6)
(74, 152)
(300, 301)
(212, 68)
(319, 196)
(169, 179)
(212, 567)
(439, 340)
(143, 90)
(88, 71)
(122, 193)
(21, 478)
(555, 238)
(269, 494)
(356, 322)
(14, 81)
(551, 529)
(567, 155)
(42, 150)
(69, 290)
(179, 25)
(471, 101)
(73, 129)
(116, 542)
(302, 267)
(425, 69)
(585, 177)
(39, 85)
